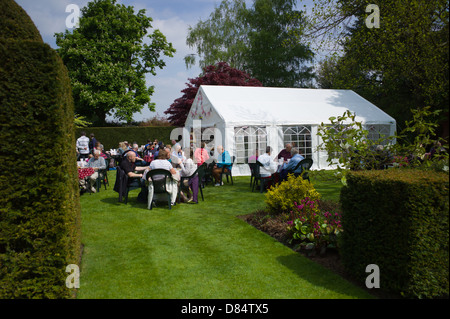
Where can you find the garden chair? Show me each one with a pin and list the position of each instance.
(201, 175)
(229, 171)
(305, 164)
(159, 178)
(252, 167)
(257, 178)
(122, 185)
(208, 173)
(103, 176)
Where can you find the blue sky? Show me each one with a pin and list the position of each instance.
(172, 17)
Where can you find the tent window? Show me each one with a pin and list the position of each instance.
(299, 137)
(248, 139)
(377, 132)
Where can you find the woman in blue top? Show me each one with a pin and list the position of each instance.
(223, 164)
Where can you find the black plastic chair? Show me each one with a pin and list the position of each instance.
(208, 168)
(257, 178)
(252, 172)
(123, 184)
(228, 173)
(201, 175)
(305, 164)
(159, 178)
(103, 176)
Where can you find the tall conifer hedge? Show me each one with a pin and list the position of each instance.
(39, 202)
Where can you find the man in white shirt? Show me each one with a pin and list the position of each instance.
(83, 146)
(270, 166)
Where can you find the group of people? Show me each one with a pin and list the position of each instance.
(136, 161)
(289, 158)
(90, 150)
(172, 159)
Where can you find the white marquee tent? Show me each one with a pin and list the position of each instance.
(248, 118)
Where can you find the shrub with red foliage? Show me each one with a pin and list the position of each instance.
(218, 74)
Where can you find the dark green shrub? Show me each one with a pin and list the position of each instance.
(39, 203)
(111, 136)
(398, 219)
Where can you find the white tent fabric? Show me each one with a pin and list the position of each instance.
(229, 108)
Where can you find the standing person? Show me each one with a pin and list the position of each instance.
(83, 145)
(201, 154)
(92, 142)
(223, 164)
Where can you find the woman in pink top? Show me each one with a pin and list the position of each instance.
(201, 154)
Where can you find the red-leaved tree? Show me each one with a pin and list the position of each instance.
(218, 74)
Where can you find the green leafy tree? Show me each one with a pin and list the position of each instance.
(222, 37)
(274, 55)
(108, 56)
(262, 41)
(401, 65)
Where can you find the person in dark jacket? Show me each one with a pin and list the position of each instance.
(92, 142)
(135, 174)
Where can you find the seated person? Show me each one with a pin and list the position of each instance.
(161, 162)
(139, 161)
(177, 155)
(97, 163)
(134, 179)
(223, 164)
(286, 153)
(269, 165)
(253, 158)
(201, 154)
(168, 150)
(288, 168)
(187, 169)
(122, 148)
(148, 145)
(99, 146)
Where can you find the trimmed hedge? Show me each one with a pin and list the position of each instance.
(39, 203)
(111, 136)
(399, 220)
(16, 24)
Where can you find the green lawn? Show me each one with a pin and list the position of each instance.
(193, 251)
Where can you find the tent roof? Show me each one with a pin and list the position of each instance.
(245, 105)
